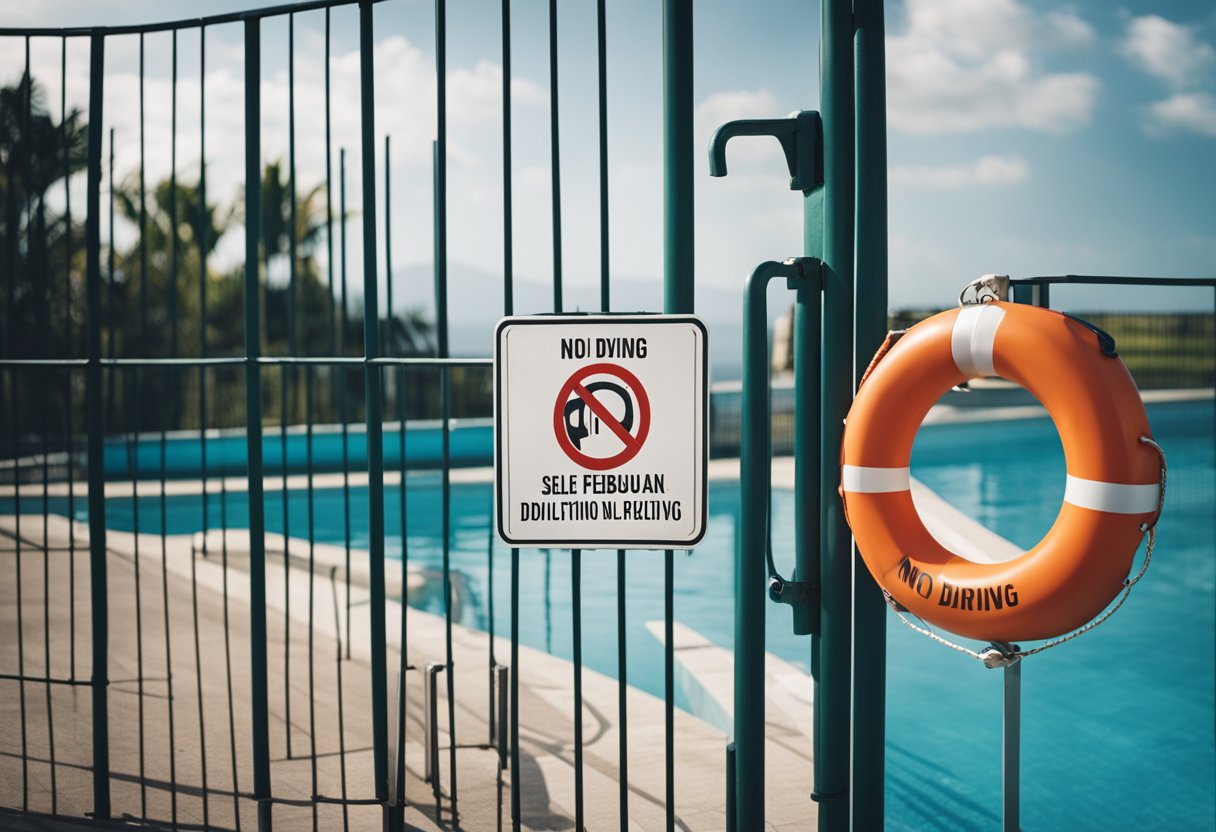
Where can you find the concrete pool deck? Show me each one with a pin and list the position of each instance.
(546, 701)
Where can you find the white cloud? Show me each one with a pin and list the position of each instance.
(987, 171)
(1169, 51)
(962, 66)
(1193, 112)
(405, 109)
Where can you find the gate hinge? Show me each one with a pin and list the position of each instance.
(801, 137)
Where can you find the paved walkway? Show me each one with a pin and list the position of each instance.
(177, 571)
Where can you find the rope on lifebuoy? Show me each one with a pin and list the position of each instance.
(1000, 654)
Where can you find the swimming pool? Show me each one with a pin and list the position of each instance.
(1118, 725)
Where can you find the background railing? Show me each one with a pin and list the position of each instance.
(152, 380)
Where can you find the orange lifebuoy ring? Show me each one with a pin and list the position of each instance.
(1112, 492)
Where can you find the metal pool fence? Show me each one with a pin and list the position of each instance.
(136, 369)
(115, 349)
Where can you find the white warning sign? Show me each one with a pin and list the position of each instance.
(600, 435)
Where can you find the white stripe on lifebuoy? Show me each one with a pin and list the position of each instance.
(861, 480)
(1113, 497)
(972, 338)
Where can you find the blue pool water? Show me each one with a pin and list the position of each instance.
(1118, 725)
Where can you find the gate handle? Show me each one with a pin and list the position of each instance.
(801, 137)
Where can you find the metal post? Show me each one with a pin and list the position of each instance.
(431, 726)
(1011, 749)
(396, 783)
(679, 263)
(869, 608)
(832, 230)
(373, 407)
(678, 254)
(253, 425)
(501, 682)
(731, 823)
(93, 406)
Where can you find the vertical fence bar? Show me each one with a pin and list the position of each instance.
(93, 405)
(831, 650)
(399, 398)
(111, 302)
(143, 218)
(164, 584)
(397, 790)
(576, 611)
(492, 661)
(669, 692)
(285, 372)
(678, 235)
(329, 197)
(136, 407)
(42, 263)
(173, 235)
(508, 306)
(732, 823)
(516, 817)
(441, 327)
(198, 675)
(430, 729)
(678, 270)
(373, 409)
(163, 449)
(622, 690)
(602, 77)
(201, 235)
(340, 373)
(508, 288)
(10, 263)
(500, 739)
(27, 105)
(869, 608)
(555, 178)
(312, 600)
(253, 425)
(46, 564)
(68, 342)
(403, 657)
(333, 588)
(17, 557)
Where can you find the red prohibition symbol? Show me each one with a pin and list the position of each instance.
(631, 428)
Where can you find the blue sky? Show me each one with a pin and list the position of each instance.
(1025, 137)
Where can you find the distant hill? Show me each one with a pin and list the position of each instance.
(475, 303)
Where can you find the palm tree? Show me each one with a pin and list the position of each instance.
(41, 260)
(37, 247)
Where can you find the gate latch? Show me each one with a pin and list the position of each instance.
(793, 592)
(801, 137)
